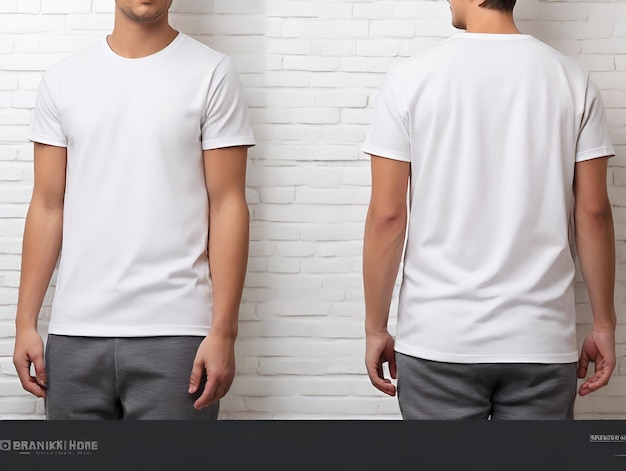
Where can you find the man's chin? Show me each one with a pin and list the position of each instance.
(146, 18)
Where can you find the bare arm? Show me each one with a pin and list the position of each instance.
(40, 251)
(595, 242)
(229, 221)
(385, 228)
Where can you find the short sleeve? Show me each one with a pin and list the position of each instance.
(594, 140)
(389, 135)
(226, 121)
(45, 125)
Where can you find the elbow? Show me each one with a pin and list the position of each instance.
(231, 205)
(246, 214)
(597, 212)
(47, 204)
(597, 215)
(388, 217)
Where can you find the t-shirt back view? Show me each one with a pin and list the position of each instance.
(492, 125)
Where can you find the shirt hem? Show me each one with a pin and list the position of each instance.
(128, 331)
(598, 152)
(228, 142)
(546, 358)
(385, 153)
(51, 141)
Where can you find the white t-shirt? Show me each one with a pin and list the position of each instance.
(135, 225)
(492, 126)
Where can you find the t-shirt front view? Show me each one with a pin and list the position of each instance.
(493, 125)
(135, 225)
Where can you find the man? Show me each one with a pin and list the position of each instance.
(499, 135)
(140, 142)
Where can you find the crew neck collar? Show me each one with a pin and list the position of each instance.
(115, 56)
(493, 36)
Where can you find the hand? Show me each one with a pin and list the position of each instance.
(379, 349)
(29, 350)
(598, 348)
(216, 359)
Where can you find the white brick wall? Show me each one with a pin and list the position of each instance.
(311, 69)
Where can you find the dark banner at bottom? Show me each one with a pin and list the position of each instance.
(312, 444)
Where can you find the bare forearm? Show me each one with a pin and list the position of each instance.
(595, 241)
(40, 251)
(228, 259)
(382, 252)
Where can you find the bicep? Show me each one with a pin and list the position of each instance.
(225, 172)
(590, 189)
(390, 180)
(50, 164)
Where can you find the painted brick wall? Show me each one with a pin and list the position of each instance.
(311, 70)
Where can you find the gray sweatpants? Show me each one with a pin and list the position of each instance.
(146, 378)
(430, 390)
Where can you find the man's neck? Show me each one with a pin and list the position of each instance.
(134, 39)
(483, 20)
